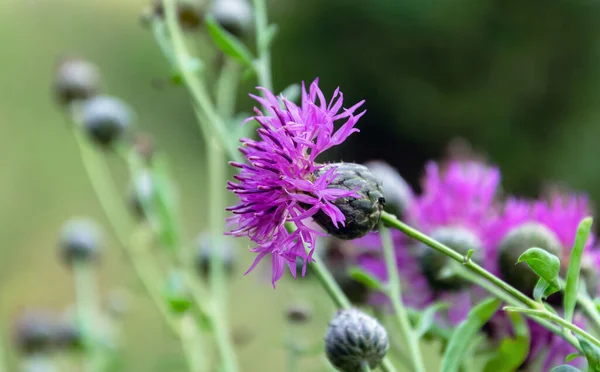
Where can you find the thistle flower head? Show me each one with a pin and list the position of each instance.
(279, 182)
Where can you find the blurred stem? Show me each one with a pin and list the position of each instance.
(227, 87)
(292, 350)
(394, 292)
(193, 345)
(218, 285)
(590, 310)
(3, 361)
(86, 296)
(195, 85)
(108, 196)
(556, 319)
(38, 363)
(364, 367)
(263, 39)
(473, 278)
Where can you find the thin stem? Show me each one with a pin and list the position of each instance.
(107, 195)
(364, 366)
(227, 88)
(86, 296)
(556, 319)
(590, 310)
(262, 44)
(394, 291)
(3, 361)
(193, 345)
(392, 221)
(331, 287)
(473, 278)
(216, 204)
(197, 88)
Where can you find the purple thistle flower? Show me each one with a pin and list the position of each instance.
(279, 183)
(558, 218)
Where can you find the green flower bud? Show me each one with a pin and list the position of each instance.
(234, 16)
(75, 79)
(80, 241)
(363, 213)
(517, 241)
(398, 194)
(435, 264)
(204, 250)
(354, 339)
(105, 119)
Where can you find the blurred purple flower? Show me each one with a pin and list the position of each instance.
(278, 183)
(561, 214)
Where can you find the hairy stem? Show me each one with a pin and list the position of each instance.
(394, 291)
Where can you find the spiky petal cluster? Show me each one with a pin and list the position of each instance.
(278, 184)
(462, 194)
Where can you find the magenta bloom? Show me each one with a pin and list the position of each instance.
(278, 183)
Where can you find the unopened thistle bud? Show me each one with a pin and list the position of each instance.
(234, 16)
(141, 192)
(80, 241)
(299, 313)
(363, 213)
(433, 263)
(355, 339)
(204, 250)
(514, 244)
(105, 119)
(33, 331)
(189, 13)
(398, 194)
(75, 79)
(67, 335)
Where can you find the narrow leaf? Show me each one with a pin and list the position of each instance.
(427, 319)
(228, 43)
(543, 289)
(465, 332)
(365, 278)
(512, 351)
(592, 353)
(565, 368)
(571, 357)
(572, 285)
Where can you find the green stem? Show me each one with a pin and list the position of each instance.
(471, 277)
(227, 88)
(394, 291)
(3, 361)
(556, 319)
(86, 296)
(195, 85)
(216, 207)
(262, 44)
(590, 310)
(193, 345)
(393, 221)
(107, 194)
(364, 367)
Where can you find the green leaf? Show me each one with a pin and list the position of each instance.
(572, 357)
(546, 266)
(464, 333)
(565, 368)
(572, 285)
(228, 43)
(365, 278)
(426, 320)
(512, 352)
(543, 289)
(592, 353)
(543, 263)
(292, 92)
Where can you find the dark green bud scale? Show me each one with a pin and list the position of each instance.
(363, 213)
(354, 339)
(434, 264)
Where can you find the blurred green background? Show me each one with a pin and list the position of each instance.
(518, 79)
